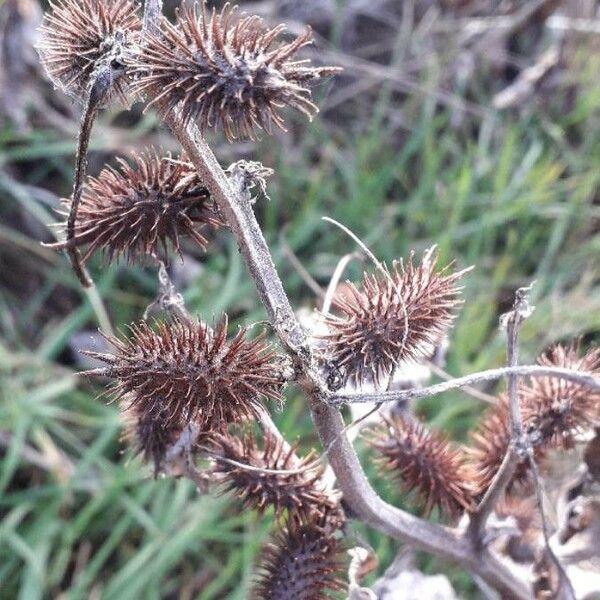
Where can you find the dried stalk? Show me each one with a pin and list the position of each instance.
(517, 449)
(468, 380)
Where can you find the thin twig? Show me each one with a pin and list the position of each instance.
(335, 280)
(585, 379)
(471, 391)
(518, 445)
(90, 111)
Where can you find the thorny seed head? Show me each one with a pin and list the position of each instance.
(557, 409)
(151, 435)
(226, 72)
(489, 445)
(305, 561)
(424, 462)
(391, 318)
(299, 494)
(80, 37)
(184, 372)
(140, 209)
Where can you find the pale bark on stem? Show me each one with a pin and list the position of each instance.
(469, 380)
(517, 446)
(359, 496)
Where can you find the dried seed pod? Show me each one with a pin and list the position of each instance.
(139, 209)
(300, 494)
(81, 36)
(186, 372)
(425, 463)
(151, 435)
(305, 561)
(489, 445)
(393, 318)
(555, 410)
(226, 73)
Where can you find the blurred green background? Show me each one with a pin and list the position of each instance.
(440, 131)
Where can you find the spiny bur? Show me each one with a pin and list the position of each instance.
(488, 446)
(297, 491)
(554, 409)
(425, 463)
(225, 71)
(142, 209)
(81, 36)
(186, 372)
(151, 435)
(304, 561)
(392, 317)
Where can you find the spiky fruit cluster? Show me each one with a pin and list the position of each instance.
(277, 477)
(225, 72)
(184, 372)
(392, 318)
(143, 208)
(305, 561)
(151, 435)
(557, 409)
(425, 463)
(489, 444)
(553, 411)
(81, 36)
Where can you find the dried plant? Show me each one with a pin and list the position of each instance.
(393, 317)
(78, 36)
(297, 489)
(489, 445)
(226, 72)
(555, 410)
(181, 384)
(305, 561)
(425, 463)
(141, 209)
(186, 372)
(151, 435)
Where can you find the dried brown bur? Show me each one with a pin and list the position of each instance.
(556, 410)
(296, 490)
(150, 435)
(78, 36)
(304, 561)
(142, 209)
(184, 372)
(226, 72)
(425, 463)
(489, 445)
(391, 318)
(553, 412)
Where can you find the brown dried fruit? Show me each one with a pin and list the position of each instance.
(80, 36)
(425, 463)
(139, 209)
(305, 561)
(393, 318)
(556, 409)
(299, 494)
(226, 73)
(186, 372)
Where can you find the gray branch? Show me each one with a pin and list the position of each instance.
(580, 377)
